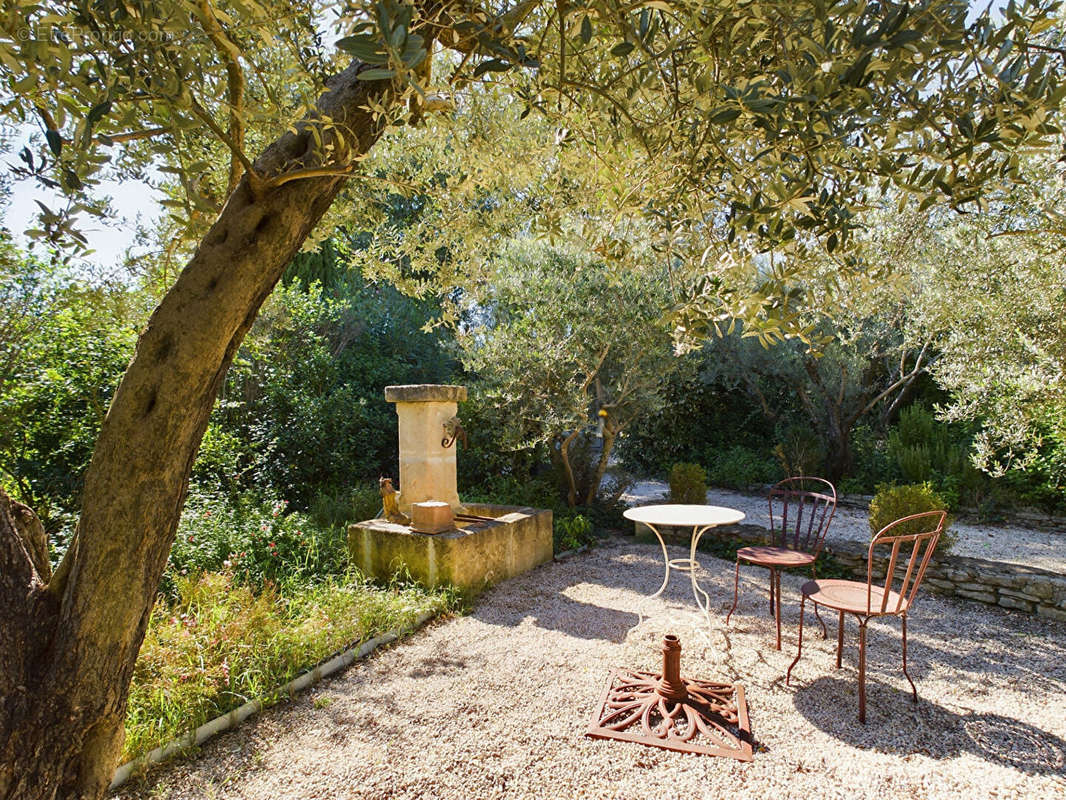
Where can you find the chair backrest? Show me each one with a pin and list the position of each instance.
(800, 512)
(914, 538)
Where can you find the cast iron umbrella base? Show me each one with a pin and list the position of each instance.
(666, 710)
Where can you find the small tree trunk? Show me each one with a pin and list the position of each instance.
(839, 461)
(601, 466)
(564, 454)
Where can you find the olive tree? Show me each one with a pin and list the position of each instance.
(562, 346)
(995, 285)
(750, 121)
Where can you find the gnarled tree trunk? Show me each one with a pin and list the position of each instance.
(68, 642)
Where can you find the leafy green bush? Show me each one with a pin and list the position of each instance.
(702, 415)
(872, 463)
(64, 343)
(303, 413)
(1041, 482)
(688, 484)
(799, 450)
(895, 502)
(742, 468)
(571, 531)
(340, 508)
(258, 540)
(510, 491)
(927, 450)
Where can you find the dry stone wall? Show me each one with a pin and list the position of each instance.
(1029, 589)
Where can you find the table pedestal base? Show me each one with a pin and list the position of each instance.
(666, 710)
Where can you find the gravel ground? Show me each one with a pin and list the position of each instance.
(1007, 543)
(495, 704)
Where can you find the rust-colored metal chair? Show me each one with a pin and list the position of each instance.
(800, 512)
(869, 600)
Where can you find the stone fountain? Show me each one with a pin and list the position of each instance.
(432, 535)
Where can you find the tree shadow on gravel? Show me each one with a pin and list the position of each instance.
(895, 725)
(1016, 651)
(564, 614)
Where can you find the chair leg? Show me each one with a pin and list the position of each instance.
(772, 591)
(799, 650)
(775, 576)
(862, 671)
(736, 592)
(814, 577)
(914, 689)
(840, 637)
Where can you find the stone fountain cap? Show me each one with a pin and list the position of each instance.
(425, 393)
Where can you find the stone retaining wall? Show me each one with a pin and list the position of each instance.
(1036, 591)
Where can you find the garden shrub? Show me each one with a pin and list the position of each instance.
(742, 468)
(894, 502)
(303, 411)
(259, 540)
(927, 450)
(340, 508)
(872, 463)
(1041, 480)
(571, 531)
(507, 490)
(799, 450)
(688, 484)
(715, 415)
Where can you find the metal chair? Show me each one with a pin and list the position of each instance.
(800, 512)
(869, 600)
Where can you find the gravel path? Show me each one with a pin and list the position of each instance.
(1007, 543)
(494, 704)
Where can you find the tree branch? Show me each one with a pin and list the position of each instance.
(902, 381)
(231, 55)
(254, 179)
(131, 136)
(309, 172)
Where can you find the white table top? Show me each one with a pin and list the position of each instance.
(696, 516)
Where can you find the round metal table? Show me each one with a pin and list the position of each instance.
(700, 519)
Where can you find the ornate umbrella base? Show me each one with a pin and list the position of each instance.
(703, 717)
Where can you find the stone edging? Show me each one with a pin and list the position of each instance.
(236, 716)
(563, 556)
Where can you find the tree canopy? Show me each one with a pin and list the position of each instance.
(723, 129)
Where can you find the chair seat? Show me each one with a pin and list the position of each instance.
(851, 596)
(766, 556)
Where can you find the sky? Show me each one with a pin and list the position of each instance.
(132, 201)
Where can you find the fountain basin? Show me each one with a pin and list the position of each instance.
(477, 554)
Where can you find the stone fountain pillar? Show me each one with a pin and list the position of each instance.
(483, 545)
(427, 468)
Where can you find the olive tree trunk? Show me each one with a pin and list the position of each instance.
(68, 642)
